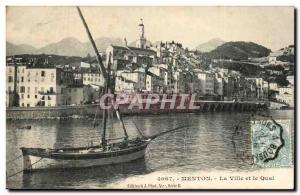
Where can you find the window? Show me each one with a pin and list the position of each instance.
(43, 73)
(22, 97)
(28, 96)
(22, 89)
(52, 77)
(51, 89)
(10, 79)
(28, 89)
(22, 79)
(9, 89)
(35, 96)
(28, 105)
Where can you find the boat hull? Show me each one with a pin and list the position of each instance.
(36, 162)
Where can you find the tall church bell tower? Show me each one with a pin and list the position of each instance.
(141, 43)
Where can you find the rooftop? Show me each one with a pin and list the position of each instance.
(133, 48)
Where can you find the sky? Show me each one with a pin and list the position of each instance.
(272, 27)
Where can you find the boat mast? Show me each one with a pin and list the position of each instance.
(105, 113)
(99, 59)
(106, 76)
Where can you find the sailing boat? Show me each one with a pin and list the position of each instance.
(109, 151)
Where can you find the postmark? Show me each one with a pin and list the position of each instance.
(271, 142)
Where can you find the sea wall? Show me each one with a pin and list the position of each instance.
(90, 110)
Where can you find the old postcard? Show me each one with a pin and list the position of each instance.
(150, 98)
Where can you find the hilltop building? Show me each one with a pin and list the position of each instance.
(138, 56)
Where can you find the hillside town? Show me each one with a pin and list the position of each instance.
(165, 68)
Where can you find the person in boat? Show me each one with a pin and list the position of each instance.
(124, 143)
(136, 141)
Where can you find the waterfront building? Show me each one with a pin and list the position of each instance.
(218, 85)
(155, 79)
(78, 77)
(183, 82)
(206, 82)
(265, 90)
(36, 86)
(241, 89)
(91, 93)
(261, 87)
(248, 88)
(166, 74)
(228, 85)
(130, 81)
(160, 71)
(154, 83)
(125, 85)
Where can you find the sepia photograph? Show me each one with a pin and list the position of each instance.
(150, 97)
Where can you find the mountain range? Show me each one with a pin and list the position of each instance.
(12, 49)
(70, 46)
(215, 48)
(210, 45)
(66, 47)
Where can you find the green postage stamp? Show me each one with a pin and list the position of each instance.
(271, 143)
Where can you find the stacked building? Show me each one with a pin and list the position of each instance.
(163, 68)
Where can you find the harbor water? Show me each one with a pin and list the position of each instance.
(208, 142)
